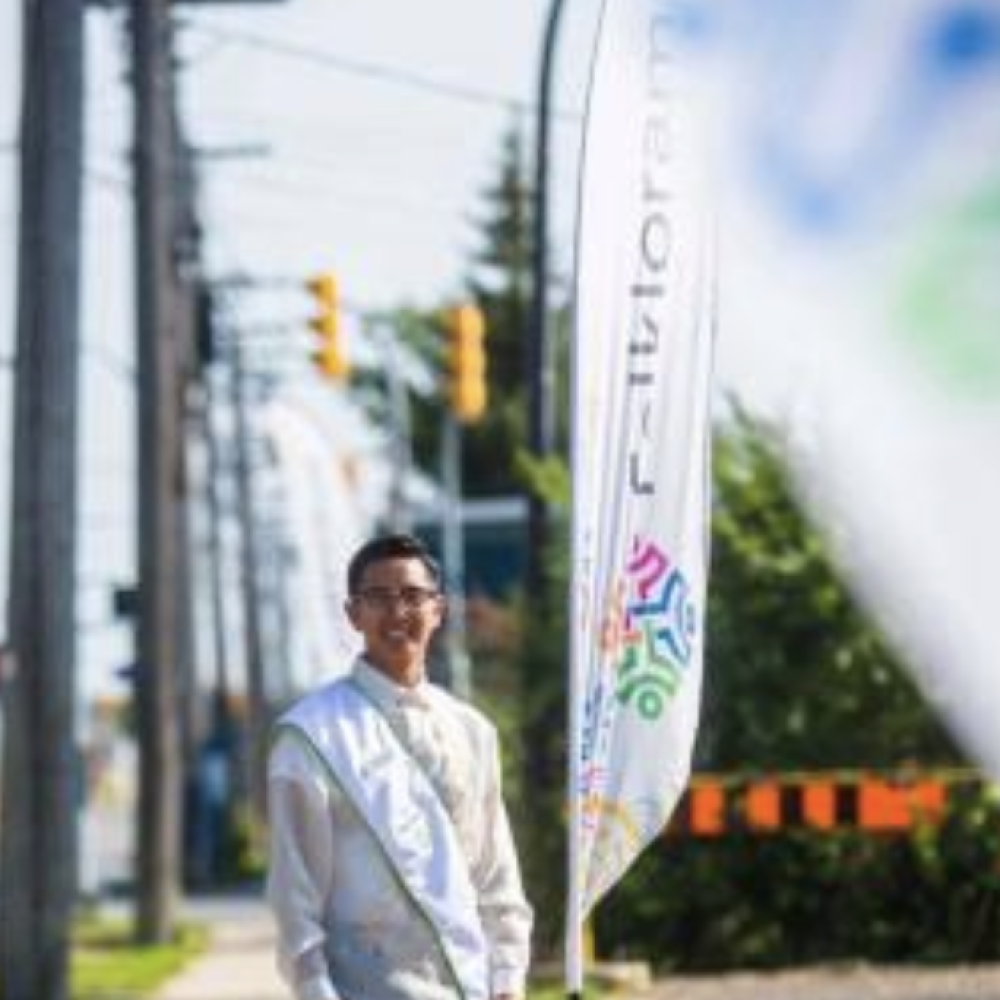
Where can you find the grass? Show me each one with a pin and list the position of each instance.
(548, 992)
(106, 964)
(546, 989)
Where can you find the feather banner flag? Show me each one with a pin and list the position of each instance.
(645, 290)
(862, 225)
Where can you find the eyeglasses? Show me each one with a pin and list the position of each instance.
(383, 598)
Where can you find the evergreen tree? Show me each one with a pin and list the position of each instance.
(500, 283)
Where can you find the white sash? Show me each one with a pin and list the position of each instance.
(405, 816)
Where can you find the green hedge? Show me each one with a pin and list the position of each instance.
(760, 901)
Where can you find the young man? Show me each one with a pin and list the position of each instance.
(392, 873)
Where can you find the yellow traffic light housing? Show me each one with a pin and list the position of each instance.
(329, 357)
(331, 363)
(467, 393)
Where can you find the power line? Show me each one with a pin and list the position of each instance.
(373, 71)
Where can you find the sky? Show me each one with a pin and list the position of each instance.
(352, 135)
(384, 120)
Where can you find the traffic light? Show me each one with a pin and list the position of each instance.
(329, 357)
(467, 363)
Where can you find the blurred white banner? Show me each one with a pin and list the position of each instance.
(862, 284)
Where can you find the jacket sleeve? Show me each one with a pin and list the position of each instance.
(300, 870)
(503, 908)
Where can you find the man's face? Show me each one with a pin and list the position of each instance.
(397, 609)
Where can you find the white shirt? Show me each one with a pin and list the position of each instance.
(335, 898)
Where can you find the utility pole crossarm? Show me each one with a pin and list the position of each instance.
(540, 353)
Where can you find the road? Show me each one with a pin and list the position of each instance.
(847, 982)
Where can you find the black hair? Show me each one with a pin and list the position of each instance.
(390, 547)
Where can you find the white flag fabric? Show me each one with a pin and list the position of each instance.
(641, 371)
(862, 301)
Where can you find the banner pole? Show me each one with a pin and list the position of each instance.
(574, 945)
(574, 916)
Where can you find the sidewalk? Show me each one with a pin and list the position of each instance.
(239, 961)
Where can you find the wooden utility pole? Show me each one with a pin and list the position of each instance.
(187, 262)
(257, 710)
(158, 355)
(459, 677)
(217, 587)
(41, 774)
(166, 266)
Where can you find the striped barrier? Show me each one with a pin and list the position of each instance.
(714, 806)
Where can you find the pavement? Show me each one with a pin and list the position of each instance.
(838, 982)
(239, 961)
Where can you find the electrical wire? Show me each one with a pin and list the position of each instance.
(327, 59)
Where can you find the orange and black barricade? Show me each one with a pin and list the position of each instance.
(885, 803)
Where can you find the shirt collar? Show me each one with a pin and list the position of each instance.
(386, 693)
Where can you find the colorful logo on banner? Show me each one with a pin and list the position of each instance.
(648, 641)
(649, 631)
(660, 624)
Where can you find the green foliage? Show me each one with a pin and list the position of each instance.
(546, 989)
(801, 897)
(501, 276)
(547, 478)
(539, 811)
(246, 849)
(107, 965)
(500, 282)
